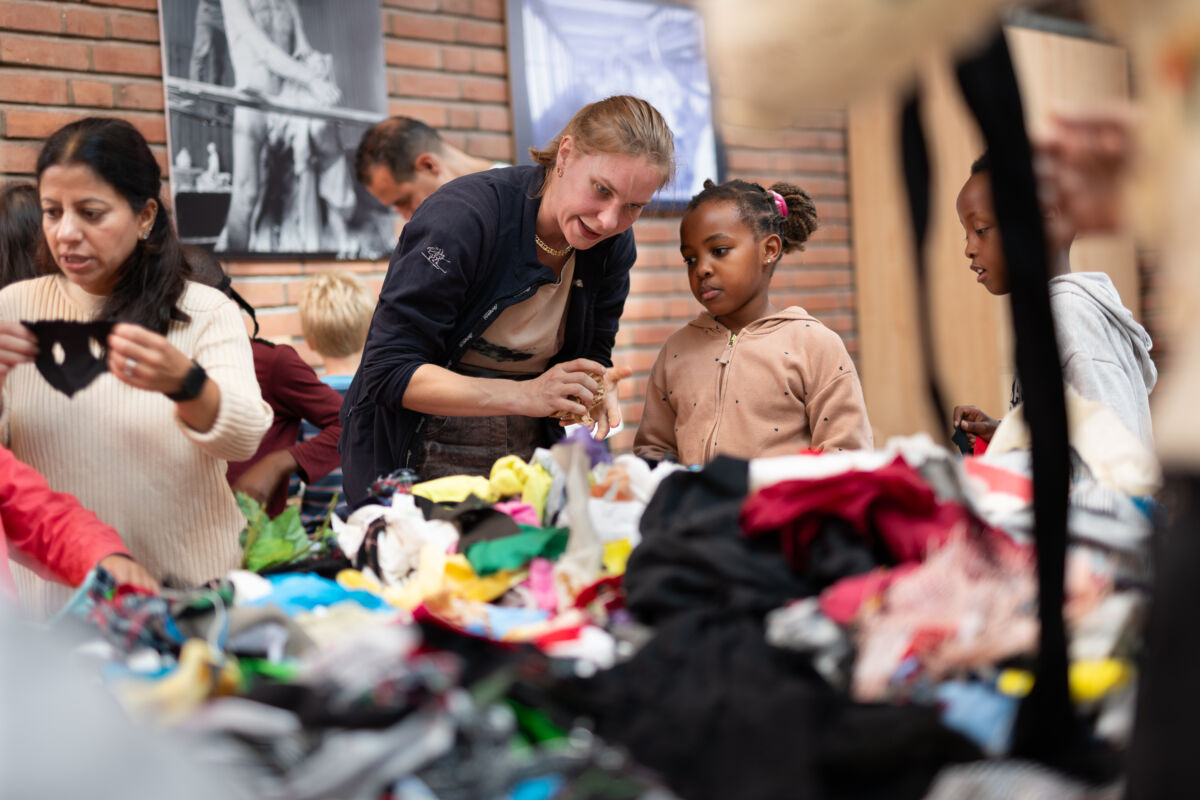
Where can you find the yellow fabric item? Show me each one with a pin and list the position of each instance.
(355, 580)
(202, 672)
(616, 555)
(537, 489)
(439, 573)
(1091, 680)
(508, 475)
(455, 489)
(1088, 680)
(462, 581)
(428, 580)
(512, 476)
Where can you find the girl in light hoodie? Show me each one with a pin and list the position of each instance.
(745, 378)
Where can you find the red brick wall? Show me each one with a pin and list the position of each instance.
(447, 65)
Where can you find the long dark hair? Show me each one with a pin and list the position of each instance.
(20, 231)
(155, 275)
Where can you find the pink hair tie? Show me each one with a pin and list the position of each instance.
(780, 203)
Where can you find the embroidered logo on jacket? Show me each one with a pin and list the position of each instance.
(436, 256)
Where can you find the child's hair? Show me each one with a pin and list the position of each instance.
(20, 233)
(335, 312)
(982, 164)
(759, 210)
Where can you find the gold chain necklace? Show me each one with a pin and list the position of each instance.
(550, 250)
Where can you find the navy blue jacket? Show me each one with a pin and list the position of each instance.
(466, 255)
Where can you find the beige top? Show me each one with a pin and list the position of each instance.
(784, 383)
(526, 335)
(125, 453)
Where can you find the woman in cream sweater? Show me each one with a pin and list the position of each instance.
(145, 443)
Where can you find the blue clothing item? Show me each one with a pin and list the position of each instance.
(979, 712)
(467, 254)
(502, 619)
(295, 592)
(543, 788)
(316, 495)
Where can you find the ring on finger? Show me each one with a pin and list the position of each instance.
(130, 365)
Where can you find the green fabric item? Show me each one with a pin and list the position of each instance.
(514, 552)
(282, 671)
(534, 724)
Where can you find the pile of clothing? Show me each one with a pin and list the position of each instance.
(837, 625)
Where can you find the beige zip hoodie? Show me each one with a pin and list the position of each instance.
(783, 383)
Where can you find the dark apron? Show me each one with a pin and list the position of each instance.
(470, 445)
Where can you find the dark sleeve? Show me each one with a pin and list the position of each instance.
(439, 257)
(610, 301)
(302, 395)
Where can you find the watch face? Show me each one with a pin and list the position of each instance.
(193, 383)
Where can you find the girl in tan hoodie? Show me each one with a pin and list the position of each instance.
(744, 378)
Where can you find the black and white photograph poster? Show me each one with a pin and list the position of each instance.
(564, 54)
(266, 102)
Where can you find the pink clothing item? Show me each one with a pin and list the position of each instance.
(50, 532)
(523, 513)
(842, 601)
(783, 383)
(541, 583)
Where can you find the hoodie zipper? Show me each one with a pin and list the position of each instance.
(724, 360)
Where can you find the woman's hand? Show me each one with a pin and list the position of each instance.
(126, 571)
(146, 360)
(610, 416)
(18, 345)
(974, 422)
(564, 389)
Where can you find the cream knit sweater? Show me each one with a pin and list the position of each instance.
(125, 453)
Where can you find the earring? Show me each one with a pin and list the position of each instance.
(559, 172)
(146, 235)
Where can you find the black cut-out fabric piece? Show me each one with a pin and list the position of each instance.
(80, 366)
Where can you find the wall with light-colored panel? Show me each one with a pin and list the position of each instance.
(973, 343)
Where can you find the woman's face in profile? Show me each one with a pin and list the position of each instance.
(600, 194)
(90, 228)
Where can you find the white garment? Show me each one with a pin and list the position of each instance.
(1105, 352)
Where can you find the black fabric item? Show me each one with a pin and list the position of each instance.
(1162, 757)
(1046, 727)
(719, 713)
(915, 157)
(80, 366)
(367, 556)
(327, 706)
(693, 555)
(475, 519)
(327, 566)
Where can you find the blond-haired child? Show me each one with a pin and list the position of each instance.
(335, 312)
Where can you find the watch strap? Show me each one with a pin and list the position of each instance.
(193, 384)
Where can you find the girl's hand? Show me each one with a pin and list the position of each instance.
(974, 422)
(564, 389)
(18, 345)
(609, 416)
(145, 360)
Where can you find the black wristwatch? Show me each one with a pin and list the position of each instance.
(193, 384)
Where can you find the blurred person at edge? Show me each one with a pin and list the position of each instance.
(20, 233)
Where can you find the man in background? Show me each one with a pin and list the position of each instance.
(401, 161)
